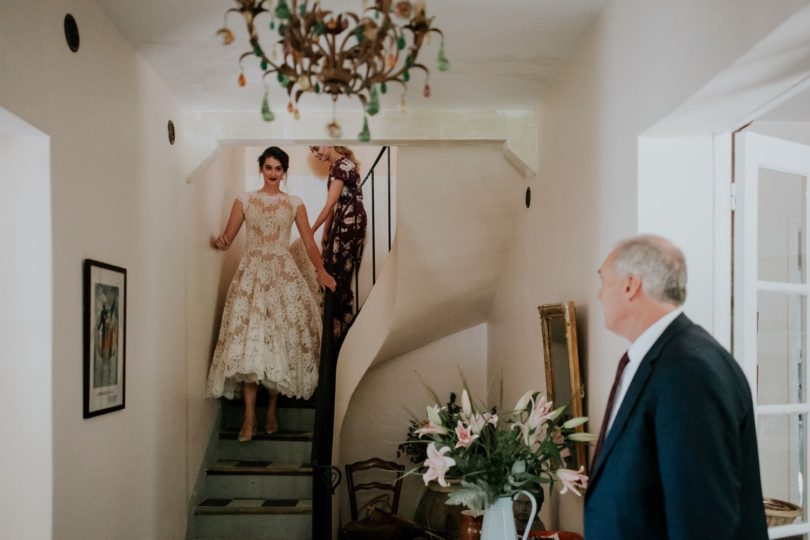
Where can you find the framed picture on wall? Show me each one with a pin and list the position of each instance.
(105, 328)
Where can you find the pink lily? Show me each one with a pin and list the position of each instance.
(465, 436)
(437, 464)
(571, 480)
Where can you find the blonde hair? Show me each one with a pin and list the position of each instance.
(346, 152)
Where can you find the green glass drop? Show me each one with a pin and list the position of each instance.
(267, 114)
(383, 88)
(272, 24)
(283, 79)
(319, 28)
(373, 105)
(365, 135)
(257, 51)
(264, 65)
(442, 63)
(406, 76)
(282, 10)
(409, 61)
(358, 34)
(401, 42)
(317, 88)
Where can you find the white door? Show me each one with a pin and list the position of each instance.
(771, 290)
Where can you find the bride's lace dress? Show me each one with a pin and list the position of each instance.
(271, 324)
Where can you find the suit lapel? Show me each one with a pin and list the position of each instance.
(636, 389)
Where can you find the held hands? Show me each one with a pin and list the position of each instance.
(325, 280)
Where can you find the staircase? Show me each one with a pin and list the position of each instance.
(262, 489)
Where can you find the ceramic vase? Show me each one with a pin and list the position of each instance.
(499, 521)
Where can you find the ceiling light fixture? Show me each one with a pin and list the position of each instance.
(347, 54)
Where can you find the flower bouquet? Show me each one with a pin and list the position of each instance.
(497, 456)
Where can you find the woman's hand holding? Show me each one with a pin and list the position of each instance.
(326, 280)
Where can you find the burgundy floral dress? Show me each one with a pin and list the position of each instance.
(344, 249)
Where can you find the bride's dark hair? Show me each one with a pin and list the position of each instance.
(276, 153)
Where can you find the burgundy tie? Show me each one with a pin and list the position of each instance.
(609, 409)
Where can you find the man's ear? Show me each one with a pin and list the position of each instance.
(632, 287)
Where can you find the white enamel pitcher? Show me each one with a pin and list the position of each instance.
(499, 521)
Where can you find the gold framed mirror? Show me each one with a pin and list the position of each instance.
(564, 386)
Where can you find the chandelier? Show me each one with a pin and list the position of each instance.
(345, 54)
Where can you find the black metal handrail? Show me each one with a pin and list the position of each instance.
(326, 477)
(322, 485)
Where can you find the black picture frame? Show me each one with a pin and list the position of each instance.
(105, 324)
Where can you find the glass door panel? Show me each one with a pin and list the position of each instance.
(782, 459)
(781, 339)
(781, 224)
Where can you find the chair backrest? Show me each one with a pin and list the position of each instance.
(393, 482)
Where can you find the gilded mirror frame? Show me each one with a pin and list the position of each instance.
(551, 315)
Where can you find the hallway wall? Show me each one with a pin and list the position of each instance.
(116, 197)
(639, 62)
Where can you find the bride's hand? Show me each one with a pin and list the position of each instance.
(326, 280)
(221, 243)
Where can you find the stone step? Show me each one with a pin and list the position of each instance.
(289, 418)
(253, 519)
(284, 446)
(259, 480)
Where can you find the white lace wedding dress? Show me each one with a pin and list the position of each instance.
(271, 323)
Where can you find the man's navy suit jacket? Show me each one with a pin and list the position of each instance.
(680, 461)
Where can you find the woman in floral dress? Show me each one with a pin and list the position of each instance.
(271, 324)
(344, 220)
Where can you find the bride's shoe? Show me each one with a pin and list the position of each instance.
(246, 435)
(271, 424)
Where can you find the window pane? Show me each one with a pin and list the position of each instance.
(781, 459)
(780, 348)
(781, 226)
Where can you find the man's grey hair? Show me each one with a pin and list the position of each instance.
(659, 263)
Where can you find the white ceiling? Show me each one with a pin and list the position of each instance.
(503, 53)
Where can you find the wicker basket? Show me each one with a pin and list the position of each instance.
(780, 512)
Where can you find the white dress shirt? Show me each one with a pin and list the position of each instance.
(638, 349)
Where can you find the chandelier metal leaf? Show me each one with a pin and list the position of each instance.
(318, 51)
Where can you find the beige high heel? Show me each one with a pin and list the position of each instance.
(246, 437)
(271, 424)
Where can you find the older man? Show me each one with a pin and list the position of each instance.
(677, 454)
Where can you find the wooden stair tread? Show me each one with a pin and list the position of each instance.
(213, 506)
(265, 468)
(281, 435)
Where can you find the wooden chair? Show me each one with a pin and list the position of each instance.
(369, 527)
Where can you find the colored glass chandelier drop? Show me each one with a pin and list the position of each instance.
(267, 114)
(282, 10)
(365, 135)
(426, 90)
(333, 129)
(373, 105)
(225, 35)
(442, 63)
(383, 88)
(242, 80)
(290, 107)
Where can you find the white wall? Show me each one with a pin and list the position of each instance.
(640, 61)
(116, 197)
(26, 332)
(208, 201)
(391, 393)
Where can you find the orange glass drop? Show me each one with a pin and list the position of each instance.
(391, 61)
(242, 80)
(426, 91)
(290, 107)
